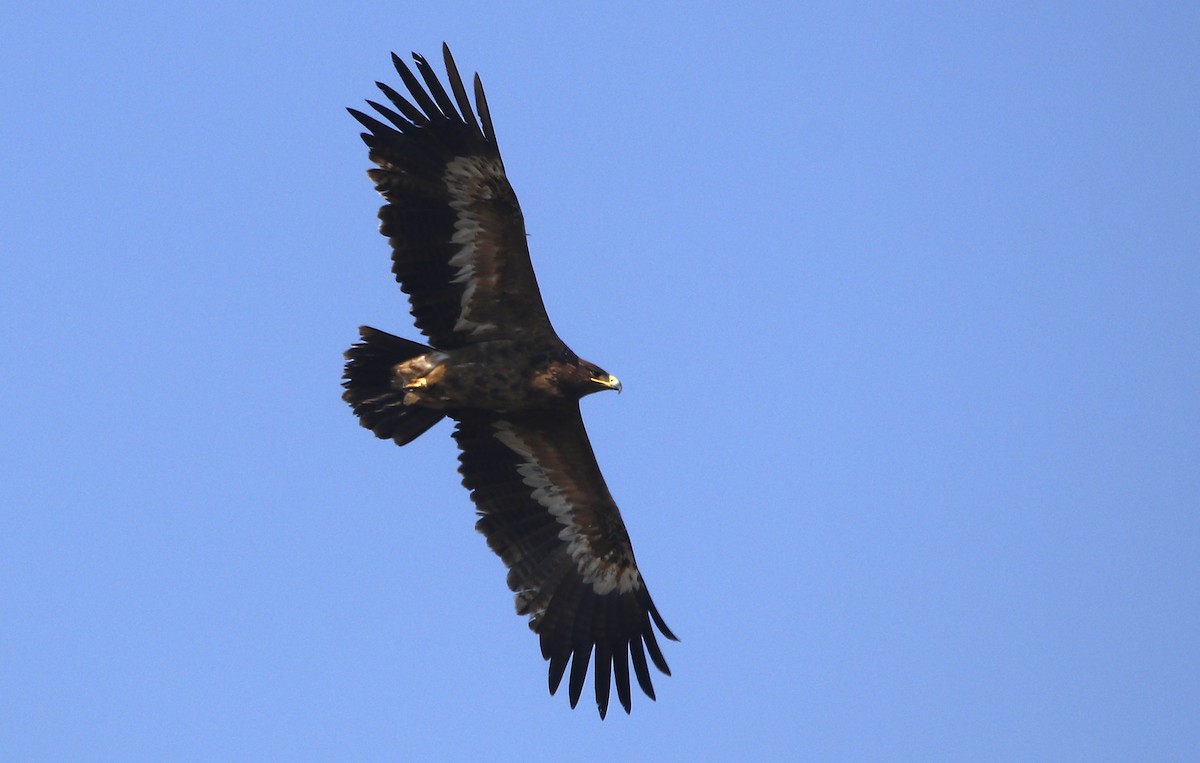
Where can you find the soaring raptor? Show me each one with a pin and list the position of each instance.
(496, 367)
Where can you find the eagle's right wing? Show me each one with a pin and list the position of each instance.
(456, 229)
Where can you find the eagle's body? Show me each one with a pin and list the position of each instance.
(503, 375)
(499, 370)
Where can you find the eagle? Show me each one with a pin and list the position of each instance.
(495, 366)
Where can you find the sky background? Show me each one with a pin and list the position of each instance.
(905, 300)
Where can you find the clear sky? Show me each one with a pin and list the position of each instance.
(906, 304)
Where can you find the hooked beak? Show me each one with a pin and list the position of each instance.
(608, 382)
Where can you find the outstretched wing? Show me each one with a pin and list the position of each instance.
(456, 229)
(546, 511)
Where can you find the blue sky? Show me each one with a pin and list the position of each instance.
(906, 303)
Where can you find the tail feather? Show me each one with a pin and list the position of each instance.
(368, 381)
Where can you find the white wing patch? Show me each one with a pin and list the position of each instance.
(462, 178)
(603, 577)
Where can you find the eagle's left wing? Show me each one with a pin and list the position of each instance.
(546, 511)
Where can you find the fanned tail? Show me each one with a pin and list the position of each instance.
(368, 381)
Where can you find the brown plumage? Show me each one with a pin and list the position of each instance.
(496, 366)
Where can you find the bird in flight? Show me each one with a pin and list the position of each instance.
(496, 367)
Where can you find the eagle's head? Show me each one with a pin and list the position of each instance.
(602, 380)
(580, 378)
